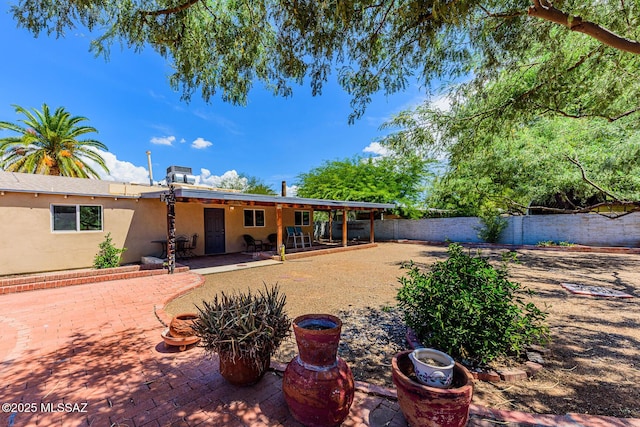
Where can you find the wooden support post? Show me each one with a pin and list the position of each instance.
(344, 227)
(279, 226)
(371, 227)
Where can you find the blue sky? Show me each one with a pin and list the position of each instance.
(129, 101)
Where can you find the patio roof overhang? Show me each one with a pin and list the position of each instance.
(199, 195)
(187, 194)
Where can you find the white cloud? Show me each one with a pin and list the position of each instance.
(119, 170)
(229, 179)
(292, 191)
(182, 140)
(201, 143)
(377, 149)
(163, 140)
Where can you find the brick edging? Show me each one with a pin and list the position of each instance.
(82, 277)
(159, 309)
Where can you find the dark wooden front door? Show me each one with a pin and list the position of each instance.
(214, 231)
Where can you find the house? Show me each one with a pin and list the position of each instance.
(50, 223)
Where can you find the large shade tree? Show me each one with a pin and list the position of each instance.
(217, 46)
(553, 165)
(49, 144)
(382, 180)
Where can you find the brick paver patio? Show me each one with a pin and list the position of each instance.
(92, 355)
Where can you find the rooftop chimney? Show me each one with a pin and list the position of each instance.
(284, 189)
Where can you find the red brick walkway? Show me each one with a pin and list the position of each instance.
(92, 355)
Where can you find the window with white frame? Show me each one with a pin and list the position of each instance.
(76, 217)
(254, 218)
(302, 218)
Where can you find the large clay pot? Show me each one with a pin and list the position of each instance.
(243, 371)
(318, 385)
(181, 325)
(425, 406)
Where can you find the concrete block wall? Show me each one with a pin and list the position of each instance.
(583, 229)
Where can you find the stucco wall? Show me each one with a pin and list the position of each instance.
(234, 220)
(584, 229)
(30, 245)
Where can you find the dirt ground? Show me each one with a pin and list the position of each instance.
(594, 361)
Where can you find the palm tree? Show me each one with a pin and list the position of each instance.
(47, 144)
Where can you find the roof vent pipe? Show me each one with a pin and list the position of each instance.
(284, 189)
(150, 170)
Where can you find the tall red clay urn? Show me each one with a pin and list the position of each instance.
(318, 385)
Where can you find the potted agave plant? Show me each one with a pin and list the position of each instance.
(244, 329)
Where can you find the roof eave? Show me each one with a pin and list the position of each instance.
(184, 194)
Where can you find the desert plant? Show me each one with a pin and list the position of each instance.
(548, 243)
(244, 325)
(108, 256)
(469, 309)
(492, 227)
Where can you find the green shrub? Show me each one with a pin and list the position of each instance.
(492, 227)
(469, 309)
(548, 243)
(108, 256)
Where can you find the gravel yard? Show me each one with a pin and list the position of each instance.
(595, 351)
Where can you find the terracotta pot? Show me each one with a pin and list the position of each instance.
(425, 406)
(182, 325)
(317, 385)
(242, 371)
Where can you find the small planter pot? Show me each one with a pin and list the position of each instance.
(242, 371)
(432, 367)
(427, 406)
(181, 325)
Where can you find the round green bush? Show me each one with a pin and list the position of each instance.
(469, 309)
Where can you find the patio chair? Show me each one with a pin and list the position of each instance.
(182, 241)
(272, 241)
(304, 236)
(250, 241)
(291, 235)
(190, 245)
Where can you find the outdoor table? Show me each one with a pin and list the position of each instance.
(179, 241)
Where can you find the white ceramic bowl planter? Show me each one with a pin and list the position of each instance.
(433, 368)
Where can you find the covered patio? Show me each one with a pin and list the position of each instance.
(210, 264)
(229, 201)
